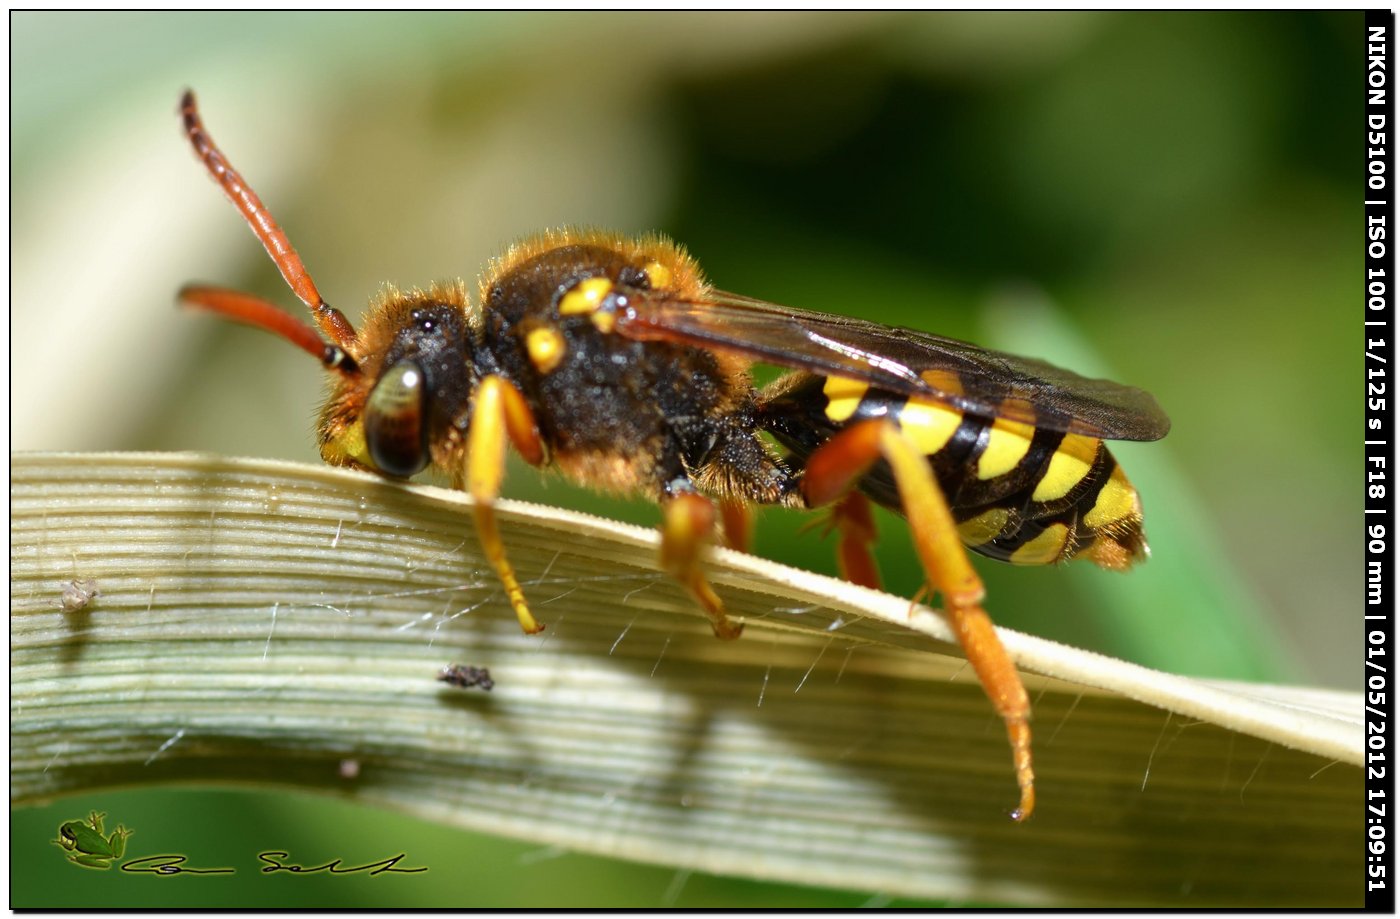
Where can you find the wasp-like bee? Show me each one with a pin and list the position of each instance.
(615, 362)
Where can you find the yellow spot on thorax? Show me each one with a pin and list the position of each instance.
(658, 275)
(1067, 468)
(546, 347)
(585, 297)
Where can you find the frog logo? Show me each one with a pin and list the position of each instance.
(87, 846)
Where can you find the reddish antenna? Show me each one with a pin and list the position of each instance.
(256, 311)
(239, 306)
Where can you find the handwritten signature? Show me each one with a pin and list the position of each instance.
(334, 866)
(167, 865)
(273, 862)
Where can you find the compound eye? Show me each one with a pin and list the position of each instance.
(396, 429)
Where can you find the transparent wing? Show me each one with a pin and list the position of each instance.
(905, 361)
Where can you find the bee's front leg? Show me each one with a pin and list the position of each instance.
(499, 416)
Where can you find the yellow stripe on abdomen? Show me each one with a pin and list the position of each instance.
(1068, 467)
(1047, 547)
(843, 397)
(985, 527)
(930, 425)
(1117, 503)
(1008, 442)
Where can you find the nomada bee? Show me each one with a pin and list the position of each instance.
(615, 362)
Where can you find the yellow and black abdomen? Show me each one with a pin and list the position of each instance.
(1020, 493)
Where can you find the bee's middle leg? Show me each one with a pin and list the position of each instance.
(687, 526)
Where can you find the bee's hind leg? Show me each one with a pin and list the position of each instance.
(833, 471)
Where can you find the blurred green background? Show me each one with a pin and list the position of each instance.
(1167, 199)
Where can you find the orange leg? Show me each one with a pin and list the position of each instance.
(830, 477)
(834, 469)
(499, 414)
(856, 526)
(688, 523)
(736, 522)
